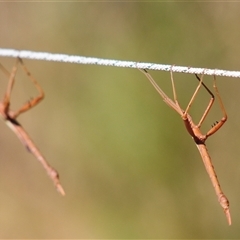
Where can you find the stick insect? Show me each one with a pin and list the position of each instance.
(9, 117)
(195, 132)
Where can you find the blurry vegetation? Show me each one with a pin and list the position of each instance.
(129, 168)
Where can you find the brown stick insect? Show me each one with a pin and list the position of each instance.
(195, 132)
(9, 117)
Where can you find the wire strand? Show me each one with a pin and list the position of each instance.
(45, 56)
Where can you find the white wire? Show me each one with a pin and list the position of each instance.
(115, 63)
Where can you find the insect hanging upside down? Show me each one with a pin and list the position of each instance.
(9, 117)
(195, 132)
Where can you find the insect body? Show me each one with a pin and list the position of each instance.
(195, 132)
(9, 117)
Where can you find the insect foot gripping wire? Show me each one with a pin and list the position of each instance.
(195, 132)
(9, 117)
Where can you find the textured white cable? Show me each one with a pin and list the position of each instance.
(115, 63)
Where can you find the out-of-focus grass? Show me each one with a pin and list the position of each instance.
(129, 168)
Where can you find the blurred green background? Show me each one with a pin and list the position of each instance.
(128, 166)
